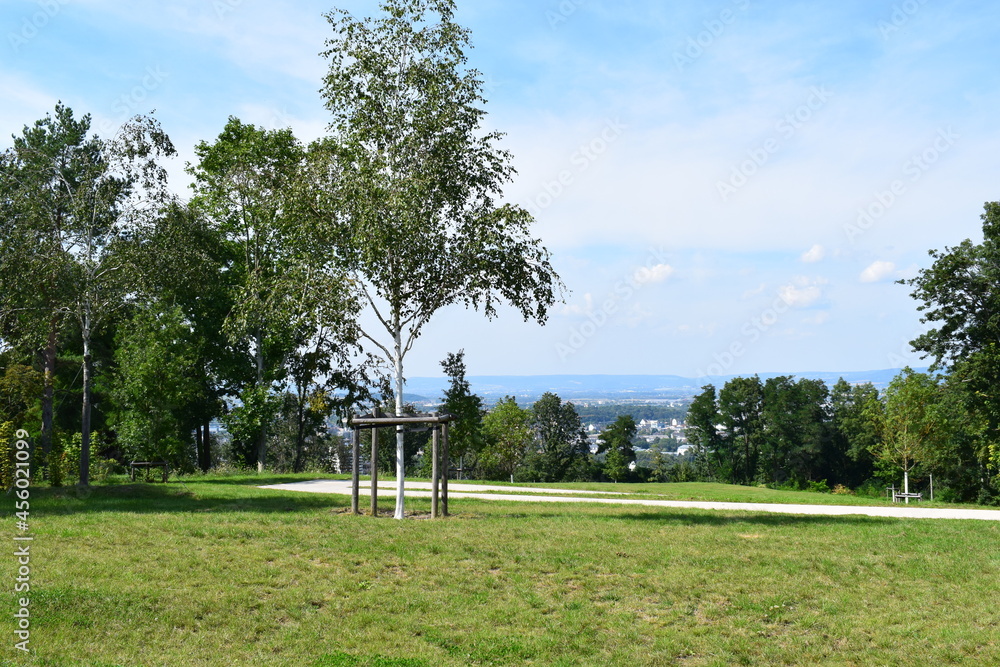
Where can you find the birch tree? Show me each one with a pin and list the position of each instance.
(421, 184)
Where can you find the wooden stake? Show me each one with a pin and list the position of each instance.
(435, 473)
(446, 464)
(354, 474)
(374, 474)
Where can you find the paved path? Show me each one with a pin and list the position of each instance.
(456, 490)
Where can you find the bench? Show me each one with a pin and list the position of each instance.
(906, 496)
(149, 464)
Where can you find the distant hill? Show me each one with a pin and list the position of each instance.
(611, 387)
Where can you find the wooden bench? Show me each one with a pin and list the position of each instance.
(149, 464)
(906, 496)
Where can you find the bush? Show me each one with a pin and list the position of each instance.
(842, 490)
(818, 486)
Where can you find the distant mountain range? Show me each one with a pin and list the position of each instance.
(610, 387)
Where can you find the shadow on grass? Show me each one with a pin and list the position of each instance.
(178, 497)
(730, 517)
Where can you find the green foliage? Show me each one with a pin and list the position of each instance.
(795, 429)
(616, 440)
(508, 435)
(288, 291)
(910, 425)
(259, 407)
(414, 185)
(77, 197)
(6, 455)
(300, 440)
(616, 465)
(465, 437)
(20, 387)
(156, 383)
(741, 412)
(562, 449)
(960, 295)
(703, 433)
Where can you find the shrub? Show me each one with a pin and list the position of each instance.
(819, 486)
(842, 490)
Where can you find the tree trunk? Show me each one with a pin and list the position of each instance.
(300, 431)
(85, 417)
(262, 435)
(206, 461)
(400, 450)
(48, 392)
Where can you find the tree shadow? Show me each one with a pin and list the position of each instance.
(176, 497)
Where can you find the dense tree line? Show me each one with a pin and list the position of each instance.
(130, 319)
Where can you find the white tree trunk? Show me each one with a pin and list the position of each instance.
(400, 452)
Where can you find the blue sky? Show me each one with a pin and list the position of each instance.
(726, 187)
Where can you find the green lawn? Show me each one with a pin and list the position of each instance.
(212, 571)
(702, 491)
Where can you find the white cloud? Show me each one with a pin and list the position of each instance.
(814, 254)
(822, 317)
(754, 292)
(653, 274)
(575, 309)
(802, 292)
(877, 271)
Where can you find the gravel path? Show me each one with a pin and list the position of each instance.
(457, 490)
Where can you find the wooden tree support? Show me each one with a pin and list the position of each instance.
(439, 456)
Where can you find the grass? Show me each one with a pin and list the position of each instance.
(213, 571)
(710, 492)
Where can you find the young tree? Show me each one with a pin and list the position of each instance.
(508, 435)
(465, 432)
(910, 427)
(419, 182)
(616, 439)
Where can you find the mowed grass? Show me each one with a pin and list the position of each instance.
(712, 492)
(212, 571)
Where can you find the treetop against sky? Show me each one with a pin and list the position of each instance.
(731, 186)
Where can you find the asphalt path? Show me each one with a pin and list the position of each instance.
(529, 494)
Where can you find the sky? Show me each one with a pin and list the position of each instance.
(726, 186)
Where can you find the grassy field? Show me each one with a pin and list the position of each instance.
(212, 571)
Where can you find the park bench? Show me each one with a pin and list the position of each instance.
(149, 464)
(896, 497)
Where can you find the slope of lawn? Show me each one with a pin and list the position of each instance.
(213, 571)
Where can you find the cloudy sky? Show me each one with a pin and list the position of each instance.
(729, 186)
